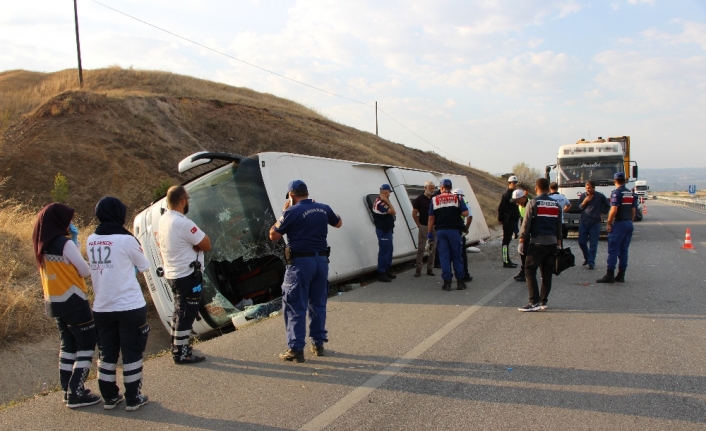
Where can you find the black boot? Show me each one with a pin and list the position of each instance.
(620, 278)
(509, 264)
(460, 285)
(447, 285)
(609, 277)
(383, 277)
(390, 275)
(520, 275)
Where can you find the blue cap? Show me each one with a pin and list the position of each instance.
(386, 187)
(297, 185)
(446, 183)
(619, 176)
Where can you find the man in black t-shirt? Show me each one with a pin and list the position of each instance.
(420, 213)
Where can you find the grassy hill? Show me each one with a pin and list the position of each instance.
(123, 134)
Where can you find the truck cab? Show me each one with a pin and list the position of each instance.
(642, 190)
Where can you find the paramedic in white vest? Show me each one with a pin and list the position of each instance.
(119, 308)
(182, 244)
(540, 236)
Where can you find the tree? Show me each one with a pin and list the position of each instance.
(60, 192)
(161, 189)
(526, 175)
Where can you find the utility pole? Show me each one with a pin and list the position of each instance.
(78, 48)
(376, 119)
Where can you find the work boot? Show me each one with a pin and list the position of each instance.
(520, 277)
(390, 275)
(609, 277)
(418, 272)
(317, 349)
(509, 264)
(383, 277)
(430, 272)
(293, 356)
(447, 285)
(620, 278)
(460, 285)
(467, 277)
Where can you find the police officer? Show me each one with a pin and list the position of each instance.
(305, 285)
(182, 244)
(445, 211)
(619, 226)
(467, 226)
(508, 214)
(384, 217)
(540, 235)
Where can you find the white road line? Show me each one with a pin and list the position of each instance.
(350, 400)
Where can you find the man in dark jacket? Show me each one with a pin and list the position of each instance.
(593, 206)
(384, 217)
(508, 214)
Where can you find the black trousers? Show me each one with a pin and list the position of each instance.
(77, 332)
(508, 231)
(126, 332)
(465, 256)
(542, 257)
(187, 300)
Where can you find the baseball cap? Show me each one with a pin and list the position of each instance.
(517, 194)
(458, 192)
(386, 187)
(297, 185)
(619, 175)
(512, 179)
(445, 183)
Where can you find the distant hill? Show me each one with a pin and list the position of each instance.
(125, 131)
(671, 179)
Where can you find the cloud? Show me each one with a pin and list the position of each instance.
(693, 32)
(641, 1)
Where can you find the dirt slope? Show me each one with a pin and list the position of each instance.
(126, 130)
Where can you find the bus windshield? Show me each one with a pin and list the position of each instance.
(576, 174)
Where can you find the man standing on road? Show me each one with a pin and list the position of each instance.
(445, 213)
(541, 234)
(182, 244)
(420, 213)
(508, 214)
(467, 220)
(562, 200)
(384, 216)
(305, 285)
(520, 199)
(619, 227)
(593, 206)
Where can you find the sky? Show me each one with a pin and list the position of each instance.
(488, 83)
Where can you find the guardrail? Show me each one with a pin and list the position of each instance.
(683, 202)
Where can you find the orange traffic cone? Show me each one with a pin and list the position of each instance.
(644, 210)
(687, 240)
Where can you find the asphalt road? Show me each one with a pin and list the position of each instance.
(409, 356)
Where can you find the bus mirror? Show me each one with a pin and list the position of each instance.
(546, 172)
(634, 172)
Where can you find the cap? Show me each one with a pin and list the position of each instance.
(512, 179)
(297, 185)
(517, 194)
(445, 183)
(458, 192)
(619, 175)
(386, 187)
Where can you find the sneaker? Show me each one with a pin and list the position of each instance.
(293, 356)
(460, 285)
(591, 267)
(447, 285)
(317, 350)
(430, 272)
(509, 265)
(530, 307)
(82, 401)
(191, 359)
(138, 402)
(520, 277)
(113, 402)
(417, 273)
(585, 262)
(390, 275)
(543, 306)
(86, 391)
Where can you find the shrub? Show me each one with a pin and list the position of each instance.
(161, 190)
(60, 192)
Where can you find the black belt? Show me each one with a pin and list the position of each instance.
(295, 254)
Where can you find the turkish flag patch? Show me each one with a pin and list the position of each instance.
(194, 229)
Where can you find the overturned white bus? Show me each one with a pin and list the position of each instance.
(237, 203)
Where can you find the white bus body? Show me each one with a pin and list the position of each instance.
(236, 205)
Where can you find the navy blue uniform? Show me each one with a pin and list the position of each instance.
(384, 224)
(305, 285)
(621, 234)
(590, 225)
(446, 209)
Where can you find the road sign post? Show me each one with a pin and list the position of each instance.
(692, 190)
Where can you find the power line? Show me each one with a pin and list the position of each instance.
(270, 71)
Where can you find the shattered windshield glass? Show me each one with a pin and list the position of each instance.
(576, 174)
(231, 206)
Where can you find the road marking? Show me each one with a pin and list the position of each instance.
(350, 400)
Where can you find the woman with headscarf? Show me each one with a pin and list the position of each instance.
(62, 270)
(119, 307)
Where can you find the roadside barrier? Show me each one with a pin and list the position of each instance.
(684, 202)
(687, 240)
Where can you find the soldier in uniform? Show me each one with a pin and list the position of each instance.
(305, 286)
(508, 214)
(619, 226)
(467, 220)
(384, 217)
(445, 211)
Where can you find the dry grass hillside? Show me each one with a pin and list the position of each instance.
(124, 132)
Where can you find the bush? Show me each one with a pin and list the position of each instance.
(161, 190)
(60, 192)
